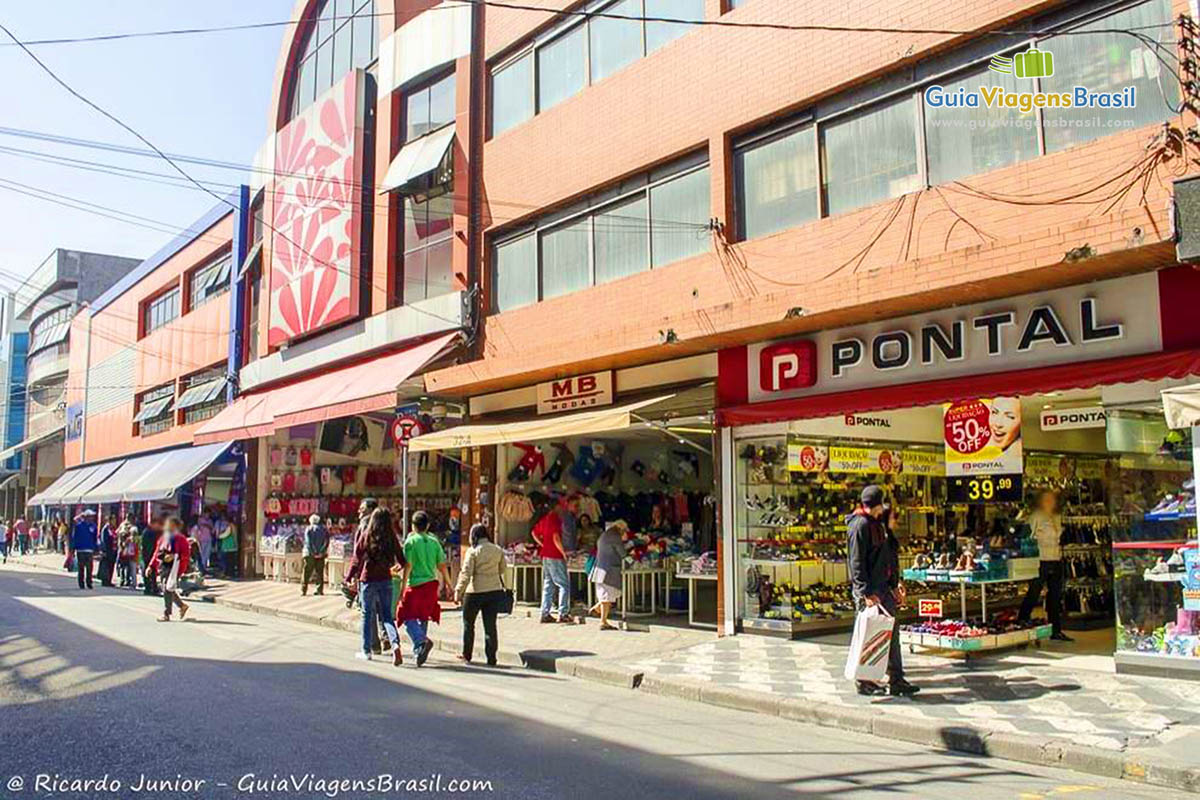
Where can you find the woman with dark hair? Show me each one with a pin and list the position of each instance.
(375, 553)
(480, 589)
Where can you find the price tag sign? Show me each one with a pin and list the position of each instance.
(929, 607)
(405, 427)
(985, 489)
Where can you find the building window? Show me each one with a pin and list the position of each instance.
(649, 221)
(580, 53)
(344, 37)
(209, 281)
(428, 108)
(428, 234)
(777, 182)
(160, 310)
(53, 328)
(871, 156)
(253, 301)
(154, 411)
(203, 395)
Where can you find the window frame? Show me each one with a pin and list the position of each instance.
(427, 87)
(207, 410)
(164, 420)
(222, 262)
(147, 306)
(319, 44)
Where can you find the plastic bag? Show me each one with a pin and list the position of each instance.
(868, 656)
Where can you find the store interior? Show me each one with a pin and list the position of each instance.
(1124, 483)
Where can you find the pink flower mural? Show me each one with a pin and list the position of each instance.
(315, 242)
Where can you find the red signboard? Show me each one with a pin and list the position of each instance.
(405, 427)
(929, 607)
(788, 365)
(316, 220)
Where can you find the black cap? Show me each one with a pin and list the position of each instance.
(872, 496)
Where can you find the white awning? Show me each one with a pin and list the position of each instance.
(1182, 406)
(201, 393)
(583, 423)
(80, 493)
(153, 409)
(53, 494)
(155, 476)
(30, 442)
(417, 159)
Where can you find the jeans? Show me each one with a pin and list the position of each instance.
(489, 604)
(554, 575)
(83, 567)
(418, 631)
(314, 572)
(227, 561)
(4, 550)
(128, 572)
(171, 598)
(376, 600)
(205, 556)
(1050, 575)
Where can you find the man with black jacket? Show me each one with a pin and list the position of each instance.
(874, 565)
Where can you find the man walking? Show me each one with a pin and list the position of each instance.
(84, 543)
(426, 561)
(149, 545)
(316, 546)
(547, 533)
(874, 566)
(22, 529)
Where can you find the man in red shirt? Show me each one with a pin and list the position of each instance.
(547, 532)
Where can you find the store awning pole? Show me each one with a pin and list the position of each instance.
(662, 428)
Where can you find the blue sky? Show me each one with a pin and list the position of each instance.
(202, 95)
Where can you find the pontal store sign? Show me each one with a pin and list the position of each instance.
(874, 365)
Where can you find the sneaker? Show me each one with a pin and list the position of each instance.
(361, 656)
(423, 653)
(566, 619)
(1061, 637)
(546, 618)
(868, 689)
(397, 657)
(902, 688)
(163, 618)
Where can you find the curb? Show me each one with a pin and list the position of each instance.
(1029, 749)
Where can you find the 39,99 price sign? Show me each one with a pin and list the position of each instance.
(984, 489)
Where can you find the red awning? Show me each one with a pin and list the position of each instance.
(365, 387)
(1080, 375)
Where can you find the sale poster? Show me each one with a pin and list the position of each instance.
(982, 436)
(1191, 580)
(805, 457)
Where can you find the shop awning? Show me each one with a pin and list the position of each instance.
(583, 423)
(8, 453)
(80, 493)
(65, 485)
(1037, 380)
(154, 476)
(417, 160)
(202, 393)
(358, 389)
(1181, 406)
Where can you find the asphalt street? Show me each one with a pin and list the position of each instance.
(92, 688)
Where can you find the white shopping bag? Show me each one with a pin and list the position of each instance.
(868, 657)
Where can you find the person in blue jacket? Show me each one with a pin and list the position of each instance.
(84, 543)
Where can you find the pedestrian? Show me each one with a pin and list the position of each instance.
(379, 643)
(203, 533)
(375, 553)
(547, 534)
(35, 537)
(108, 550)
(22, 529)
(127, 554)
(149, 536)
(426, 562)
(606, 572)
(316, 547)
(84, 542)
(227, 545)
(170, 561)
(874, 567)
(3, 542)
(64, 535)
(480, 590)
(1045, 524)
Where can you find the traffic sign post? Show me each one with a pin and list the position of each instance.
(403, 428)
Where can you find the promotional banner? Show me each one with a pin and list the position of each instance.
(808, 457)
(1191, 580)
(983, 436)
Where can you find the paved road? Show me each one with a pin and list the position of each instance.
(91, 685)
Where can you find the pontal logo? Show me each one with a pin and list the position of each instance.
(787, 365)
(1030, 64)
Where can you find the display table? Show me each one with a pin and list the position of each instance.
(973, 644)
(639, 581)
(282, 567)
(692, 579)
(335, 571)
(964, 581)
(521, 576)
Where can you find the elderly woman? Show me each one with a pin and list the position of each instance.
(606, 574)
(480, 589)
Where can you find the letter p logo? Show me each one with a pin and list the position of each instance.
(787, 365)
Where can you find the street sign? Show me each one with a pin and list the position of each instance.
(929, 607)
(404, 427)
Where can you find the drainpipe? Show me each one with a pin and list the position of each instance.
(87, 371)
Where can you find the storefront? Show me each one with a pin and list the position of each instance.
(965, 416)
(597, 449)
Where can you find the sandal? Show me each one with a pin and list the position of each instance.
(607, 627)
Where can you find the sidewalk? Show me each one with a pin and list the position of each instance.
(1024, 707)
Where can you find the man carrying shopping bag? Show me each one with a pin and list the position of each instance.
(874, 566)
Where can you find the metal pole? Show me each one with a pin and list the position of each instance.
(404, 489)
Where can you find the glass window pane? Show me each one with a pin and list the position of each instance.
(870, 157)
(416, 114)
(428, 221)
(512, 94)
(516, 273)
(441, 102)
(679, 214)
(967, 141)
(414, 276)
(565, 262)
(621, 240)
(342, 61)
(659, 33)
(324, 49)
(615, 42)
(778, 186)
(306, 83)
(1109, 62)
(439, 273)
(561, 68)
(363, 32)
